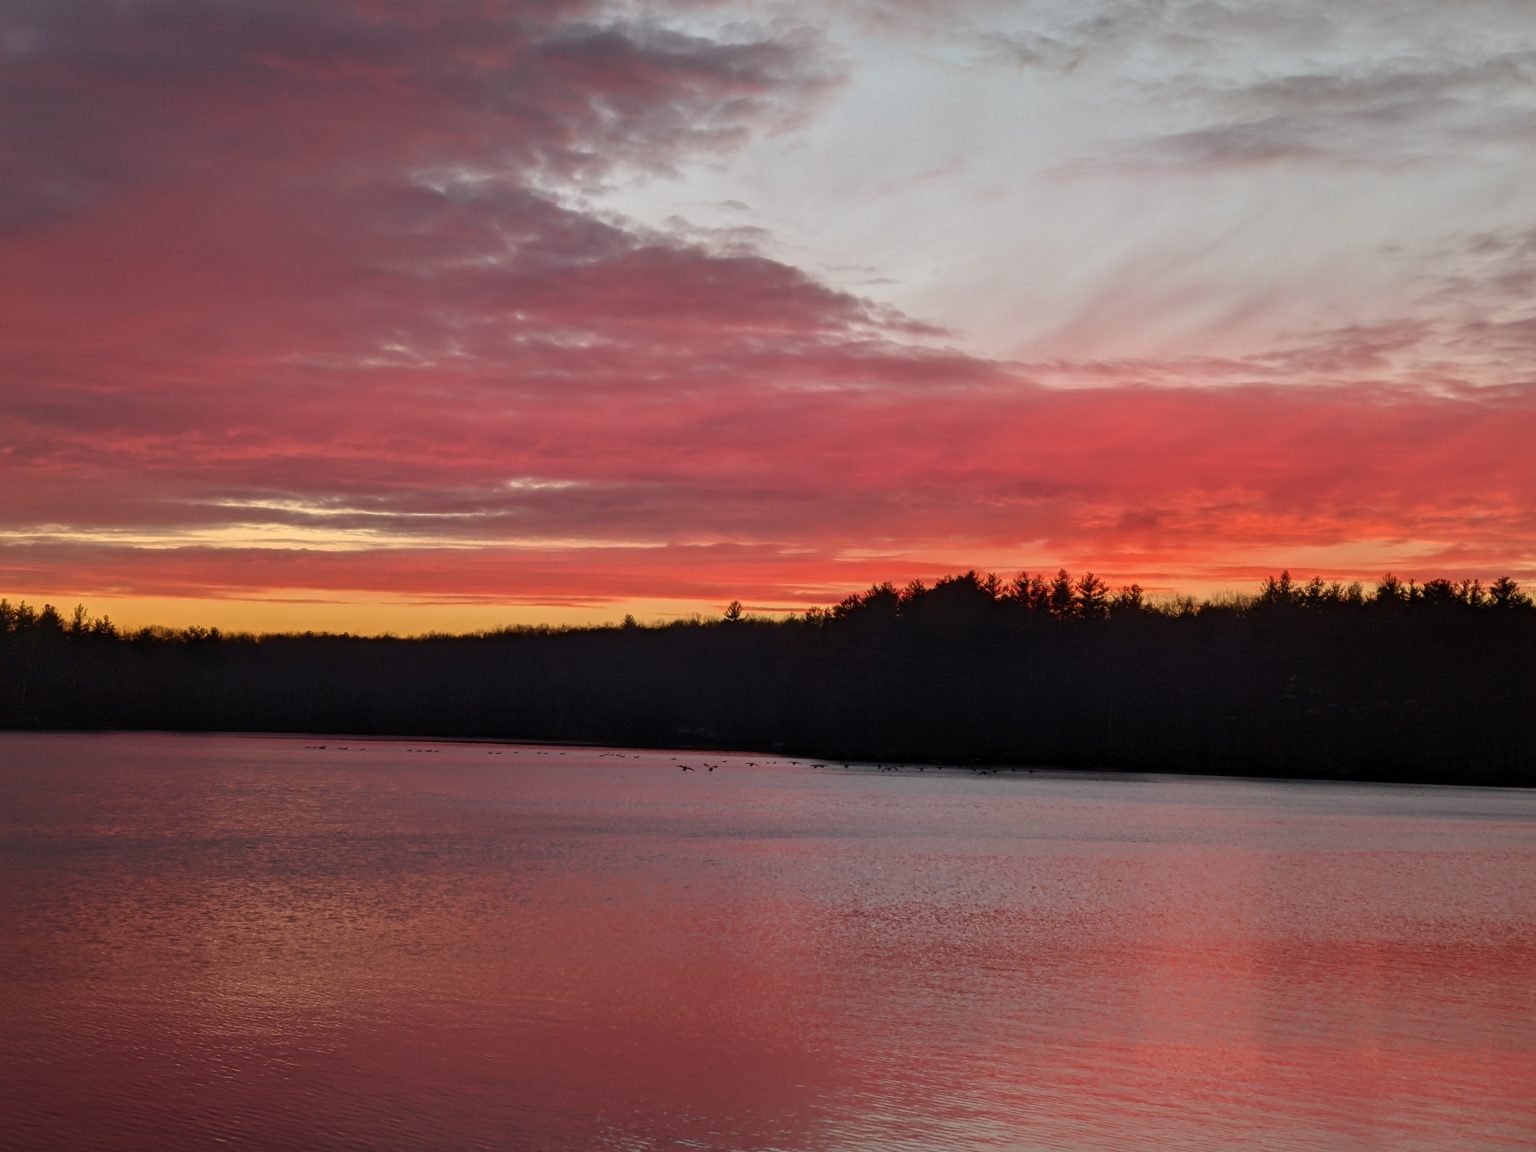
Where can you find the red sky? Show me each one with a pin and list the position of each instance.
(382, 315)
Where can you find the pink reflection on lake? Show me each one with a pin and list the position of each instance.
(280, 946)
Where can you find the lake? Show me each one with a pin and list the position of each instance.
(329, 944)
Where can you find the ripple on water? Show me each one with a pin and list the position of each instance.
(258, 943)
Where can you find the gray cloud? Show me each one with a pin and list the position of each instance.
(1252, 82)
(1397, 111)
(96, 96)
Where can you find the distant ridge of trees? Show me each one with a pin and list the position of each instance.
(1430, 682)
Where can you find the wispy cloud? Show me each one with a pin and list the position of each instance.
(334, 297)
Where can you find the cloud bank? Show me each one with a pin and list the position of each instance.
(333, 299)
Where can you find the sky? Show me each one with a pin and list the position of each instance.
(387, 316)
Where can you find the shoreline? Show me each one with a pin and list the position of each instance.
(799, 757)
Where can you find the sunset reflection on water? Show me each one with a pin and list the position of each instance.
(279, 946)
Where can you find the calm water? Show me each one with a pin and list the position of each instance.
(252, 943)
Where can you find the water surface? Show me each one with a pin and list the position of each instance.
(261, 943)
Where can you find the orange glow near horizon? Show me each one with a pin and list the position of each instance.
(361, 612)
(321, 612)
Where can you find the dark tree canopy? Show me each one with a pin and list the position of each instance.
(1431, 682)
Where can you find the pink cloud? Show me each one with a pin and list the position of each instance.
(325, 269)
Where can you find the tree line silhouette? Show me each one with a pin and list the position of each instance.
(1430, 682)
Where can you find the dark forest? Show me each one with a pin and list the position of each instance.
(1433, 682)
